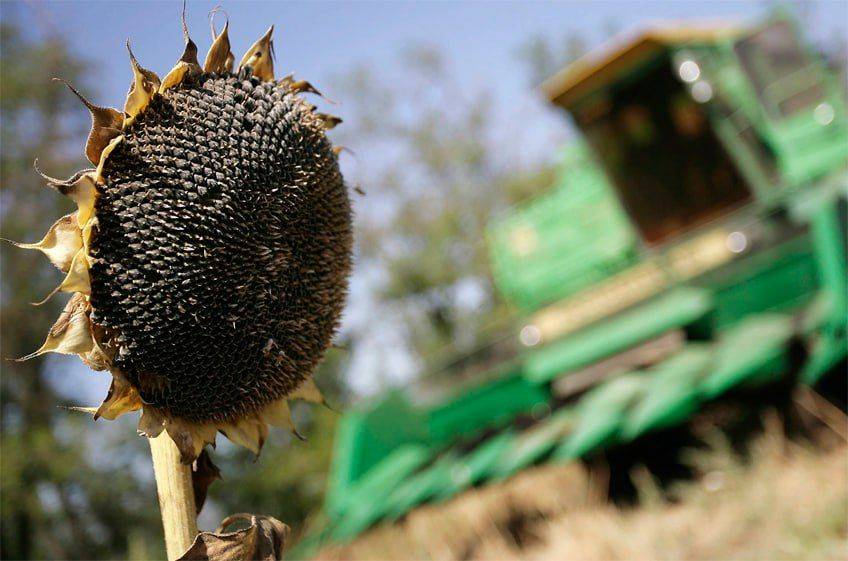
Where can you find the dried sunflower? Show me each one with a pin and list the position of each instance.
(209, 253)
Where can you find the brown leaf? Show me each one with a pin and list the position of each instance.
(264, 540)
(203, 474)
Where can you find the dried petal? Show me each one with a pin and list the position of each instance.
(308, 391)
(79, 409)
(106, 124)
(178, 74)
(121, 398)
(259, 57)
(61, 243)
(330, 121)
(98, 174)
(249, 432)
(96, 358)
(190, 438)
(87, 230)
(80, 188)
(71, 334)
(278, 414)
(187, 66)
(219, 59)
(144, 85)
(78, 279)
(151, 423)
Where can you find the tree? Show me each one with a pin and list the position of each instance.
(55, 502)
(440, 173)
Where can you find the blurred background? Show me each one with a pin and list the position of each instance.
(601, 317)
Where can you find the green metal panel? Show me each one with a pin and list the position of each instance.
(488, 405)
(675, 309)
(602, 413)
(564, 240)
(831, 258)
(827, 351)
(476, 466)
(807, 147)
(818, 314)
(364, 438)
(671, 392)
(342, 472)
(419, 488)
(535, 443)
(824, 323)
(365, 502)
(754, 349)
(781, 278)
(392, 422)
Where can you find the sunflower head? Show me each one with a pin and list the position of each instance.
(208, 257)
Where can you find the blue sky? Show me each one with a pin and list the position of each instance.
(322, 40)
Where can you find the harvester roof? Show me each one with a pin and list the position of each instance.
(605, 64)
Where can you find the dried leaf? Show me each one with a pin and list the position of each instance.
(264, 540)
(203, 474)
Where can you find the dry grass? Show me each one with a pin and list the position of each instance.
(788, 501)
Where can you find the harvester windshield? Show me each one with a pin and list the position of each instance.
(658, 146)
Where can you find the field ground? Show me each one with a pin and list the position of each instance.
(780, 498)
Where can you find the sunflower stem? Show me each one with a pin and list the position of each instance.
(176, 496)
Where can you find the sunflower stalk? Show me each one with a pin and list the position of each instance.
(176, 496)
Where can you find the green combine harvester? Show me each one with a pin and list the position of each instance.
(694, 242)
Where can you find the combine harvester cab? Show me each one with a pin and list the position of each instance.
(695, 236)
